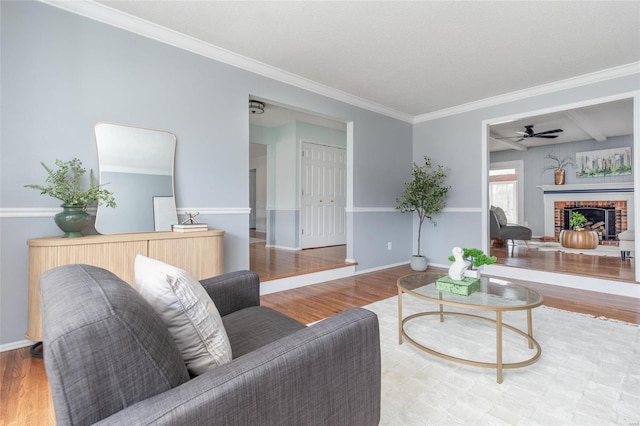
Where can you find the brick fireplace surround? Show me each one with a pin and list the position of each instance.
(620, 215)
(618, 196)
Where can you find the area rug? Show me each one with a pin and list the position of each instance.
(588, 373)
(601, 250)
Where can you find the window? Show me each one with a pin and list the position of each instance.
(503, 192)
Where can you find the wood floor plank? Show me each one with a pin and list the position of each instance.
(24, 391)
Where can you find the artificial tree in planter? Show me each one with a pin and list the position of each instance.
(424, 194)
(66, 184)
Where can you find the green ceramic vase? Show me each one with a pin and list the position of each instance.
(72, 220)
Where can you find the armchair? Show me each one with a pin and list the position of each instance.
(110, 359)
(507, 231)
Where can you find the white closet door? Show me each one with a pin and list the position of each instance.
(324, 174)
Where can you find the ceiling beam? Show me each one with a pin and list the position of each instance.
(510, 144)
(581, 121)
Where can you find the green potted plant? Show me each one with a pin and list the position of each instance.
(475, 258)
(558, 167)
(425, 195)
(577, 221)
(66, 184)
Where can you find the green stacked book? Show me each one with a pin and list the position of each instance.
(465, 287)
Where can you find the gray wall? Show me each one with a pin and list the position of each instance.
(62, 73)
(534, 161)
(456, 141)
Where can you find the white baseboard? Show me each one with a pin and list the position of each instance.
(282, 247)
(273, 286)
(379, 268)
(15, 345)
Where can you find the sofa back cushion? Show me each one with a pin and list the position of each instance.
(105, 348)
(500, 215)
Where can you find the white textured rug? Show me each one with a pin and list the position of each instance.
(588, 374)
(601, 250)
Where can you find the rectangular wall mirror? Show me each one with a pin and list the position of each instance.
(136, 164)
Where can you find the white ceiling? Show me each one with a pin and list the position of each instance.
(597, 122)
(413, 57)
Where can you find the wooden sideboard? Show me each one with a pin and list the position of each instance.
(199, 253)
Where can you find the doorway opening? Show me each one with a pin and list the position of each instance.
(584, 126)
(506, 181)
(301, 166)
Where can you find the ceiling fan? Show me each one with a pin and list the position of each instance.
(530, 133)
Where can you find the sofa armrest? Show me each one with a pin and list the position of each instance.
(328, 373)
(233, 291)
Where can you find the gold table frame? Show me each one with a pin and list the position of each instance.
(487, 285)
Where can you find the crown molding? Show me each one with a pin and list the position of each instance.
(569, 83)
(122, 20)
(102, 13)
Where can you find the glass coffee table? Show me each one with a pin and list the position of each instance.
(494, 295)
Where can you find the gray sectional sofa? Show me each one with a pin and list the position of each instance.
(110, 359)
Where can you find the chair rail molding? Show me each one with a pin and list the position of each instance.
(30, 212)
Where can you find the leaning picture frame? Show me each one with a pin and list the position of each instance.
(604, 162)
(164, 213)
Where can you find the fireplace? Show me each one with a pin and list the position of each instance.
(613, 213)
(605, 196)
(606, 215)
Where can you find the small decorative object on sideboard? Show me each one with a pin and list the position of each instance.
(191, 219)
(424, 194)
(475, 259)
(190, 224)
(190, 227)
(66, 184)
(558, 167)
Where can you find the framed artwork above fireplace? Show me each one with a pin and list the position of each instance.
(604, 162)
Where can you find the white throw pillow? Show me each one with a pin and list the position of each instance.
(188, 312)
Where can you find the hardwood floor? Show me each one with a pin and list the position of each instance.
(606, 267)
(24, 389)
(272, 263)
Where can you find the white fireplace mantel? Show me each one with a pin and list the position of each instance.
(619, 191)
(589, 187)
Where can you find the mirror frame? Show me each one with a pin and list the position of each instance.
(169, 216)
